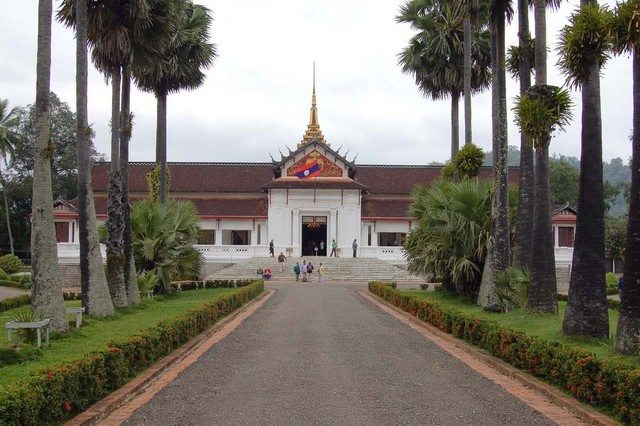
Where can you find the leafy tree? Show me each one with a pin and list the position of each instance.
(584, 46)
(46, 299)
(466, 164)
(615, 236)
(8, 138)
(625, 28)
(163, 236)
(564, 182)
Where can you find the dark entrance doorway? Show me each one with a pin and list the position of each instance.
(314, 234)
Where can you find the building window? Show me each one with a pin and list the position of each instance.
(207, 237)
(391, 239)
(235, 238)
(565, 236)
(62, 232)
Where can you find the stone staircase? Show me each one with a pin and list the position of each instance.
(340, 269)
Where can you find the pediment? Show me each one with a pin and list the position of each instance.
(328, 168)
(331, 163)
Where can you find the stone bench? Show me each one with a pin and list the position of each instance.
(77, 311)
(38, 326)
(149, 294)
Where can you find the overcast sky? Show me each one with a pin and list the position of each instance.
(256, 98)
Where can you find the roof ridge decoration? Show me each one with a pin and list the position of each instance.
(313, 128)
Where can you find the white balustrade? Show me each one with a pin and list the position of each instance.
(69, 253)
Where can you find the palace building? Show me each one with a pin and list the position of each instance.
(305, 199)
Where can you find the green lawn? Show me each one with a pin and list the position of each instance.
(544, 326)
(96, 333)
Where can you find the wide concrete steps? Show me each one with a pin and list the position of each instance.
(340, 269)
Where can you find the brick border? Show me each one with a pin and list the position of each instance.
(179, 358)
(540, 396)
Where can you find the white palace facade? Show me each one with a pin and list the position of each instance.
(307, 198)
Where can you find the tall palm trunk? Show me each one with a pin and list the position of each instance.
(522, 247)
(455, 123)
(161, 142)
(587, 312)
(498, 258)
(47, 299)
(126, 124)
(93, 282)
(6, 212)
(628, 333)
(468, 139)
(543, 290)
(115, 223)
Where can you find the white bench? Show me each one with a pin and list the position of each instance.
(78, 311)
(38, 326)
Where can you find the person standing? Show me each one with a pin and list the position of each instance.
(354, 246)
(296, 270)
(322, 252)
(281, 259)
(321, 272)
(334, 247)
(303, 267)
(271, 250)
(315, 249)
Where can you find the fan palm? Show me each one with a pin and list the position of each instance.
(93, 281)
(435, 55)
(626, 39)
(46, 298)
(178, 66)
(8, 138)
(584, 44)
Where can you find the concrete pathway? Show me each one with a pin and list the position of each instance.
(8, 292)
(325, 355)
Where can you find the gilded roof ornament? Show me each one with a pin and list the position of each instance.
(313, 129)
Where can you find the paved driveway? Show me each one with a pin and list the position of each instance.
(325, 355)
(7, 292)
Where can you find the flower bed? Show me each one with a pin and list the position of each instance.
(608, 385)
(56, 394)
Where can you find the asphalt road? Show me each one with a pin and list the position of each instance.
(325, 355)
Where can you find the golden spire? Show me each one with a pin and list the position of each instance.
(313, 129)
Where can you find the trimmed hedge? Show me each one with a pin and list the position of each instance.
(611, 386)
(56, 394)
(196, 285)
(14, 302)
(613, 304)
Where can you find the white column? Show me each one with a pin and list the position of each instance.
(332, 226)
(218, 237)
(556, 231)
(296, 233)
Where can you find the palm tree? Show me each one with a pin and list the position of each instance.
(46, 300)
(498, 258)
(625, 38)
(583, 50)
(93, 281)
(540, 111)
(523, 234)
(8, 138)
(178, 66)
(435, 55)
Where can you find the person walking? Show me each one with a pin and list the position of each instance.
(271, 251)
(310, 269)
(334, 247)
(281, 259)
(322, 270)
(296, 270)
(354, 246)
(303, 268)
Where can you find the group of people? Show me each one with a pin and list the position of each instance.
(316, 248)
(306, 269)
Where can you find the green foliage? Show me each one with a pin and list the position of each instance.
(14, 302)
(153, 182)
(147, 282)
(11, 264)
(10, 356)
(541, 110)
(564, 181)
(612, 281)
(450, 240)
(4, 276)
(468, 161)
(55, 394)
(615, 236)
(584, 41)
(608, 385)
(511, 287)
(515, 56)
(26, 315)
(24, 280)
(625, 26)
(448, 171)
(163, 237)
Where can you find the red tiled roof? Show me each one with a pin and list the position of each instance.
(378, 208)
(320, 183)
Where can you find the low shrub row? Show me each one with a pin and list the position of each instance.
(609, 385)
(613, 304)
(14, 302)
(56, 394)
(195, 285)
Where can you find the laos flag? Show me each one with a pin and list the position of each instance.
(308, 170)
